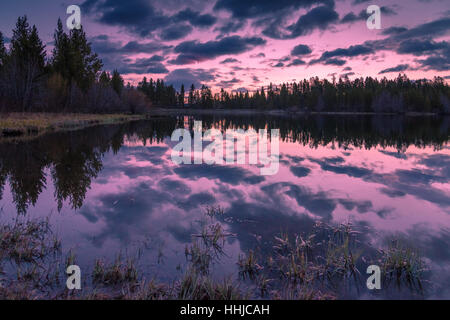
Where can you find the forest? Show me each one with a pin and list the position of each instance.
(71, 80)
(399, 95)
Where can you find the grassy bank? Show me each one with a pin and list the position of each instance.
(32, 124)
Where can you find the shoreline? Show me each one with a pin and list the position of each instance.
(20, 125)
(31, 125)
(158, 111)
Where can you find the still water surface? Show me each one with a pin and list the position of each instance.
(114, 189)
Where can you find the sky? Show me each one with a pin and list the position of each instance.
(245, 44)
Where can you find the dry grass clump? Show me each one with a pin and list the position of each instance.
(119, 272)
(27, 242)
(402, 264)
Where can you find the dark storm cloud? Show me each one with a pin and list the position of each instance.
(140, 47)
(226, 84)
(347, 74)
(257, 8)
(189, 76)
(230, 60)
(335, 62)
(175, 32)
(300, 172)
(194, 18)
(137, 16)
(399, 68)
(142, 18)
(231, 175)
(102, 44)
(425, 31)
(131, 212)
(249, 219)
(434, 28)
(196, 200)
(143, 66)
(230, 27)
(392, 193)
(439, 163)
(336, 165)
(301, 50)
(171, 185)
(438, 62)
(420, 47)
(349, 52)
(335, 57)
(183, 59)
(319, 204)
(114, 55)
(318, 18)
(258, 55)
(417, 41)
(397, 155)
(415, 182)
(125, 212)
(363, 15)
(351, 171)
(393, 30)
(150, 154)
(296, 62)
(416, 176)
(361, 206)
(273, 19)
(194, 51)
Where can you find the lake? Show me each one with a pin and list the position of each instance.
(115, 189)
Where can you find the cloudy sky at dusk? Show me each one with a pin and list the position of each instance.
(238, 44)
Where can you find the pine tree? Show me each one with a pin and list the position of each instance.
(61, 54)
(181, 97)
(84, 64)
(3, 52)
(26, 47)
(192, 96)
(105, 78)
(26, 65)
(117, 82)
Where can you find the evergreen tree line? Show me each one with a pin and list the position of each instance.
(344, 95)
(70, 80)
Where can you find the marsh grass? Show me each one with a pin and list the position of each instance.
(403, 265)
(32, 251)
(29, 241)
(249, 267)
(119, 272)
(319, 265)
(194, 286)
(207, 246)
(315, 266)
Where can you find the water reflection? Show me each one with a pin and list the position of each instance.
(73, 158)
(116, 185)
